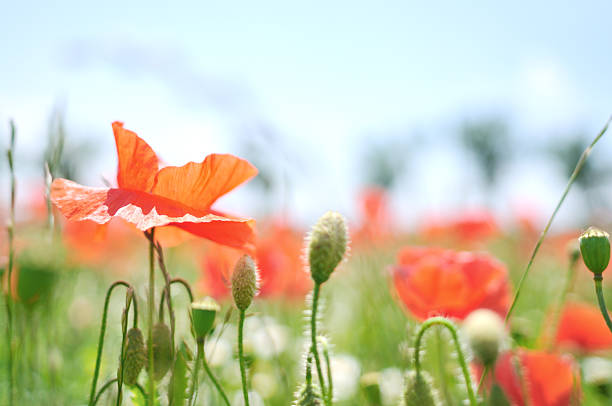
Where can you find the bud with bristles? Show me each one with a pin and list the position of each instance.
(308, 395)
(135, 356)
(327, 245)
(485, 332)
(203, 315)
(245, 282)
(162, 350)
(595, 249)
(418, 390)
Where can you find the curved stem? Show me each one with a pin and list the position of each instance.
(101, 338)
(151, 380)
(572, 178)
(330, 382)
(460, 357)
(245, 390)
(173, 281)
(313, 336)
(440, 354)
(212, 378)
(600, 299)
(103, 389)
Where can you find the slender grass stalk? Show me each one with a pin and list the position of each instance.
(450, 326)
(313, 336)
(330, 382)
(245, 390)
(11, 258)
(570, 182)
(103, 389)
(597, 278)
(101, 338)
(150, 378)
(213, 379)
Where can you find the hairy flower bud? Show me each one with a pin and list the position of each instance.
(418, 390)
(485, 332)
(308, 395)
(135, 356)
(245, 282)
(595, 249)
(203, 316)
(162, 350)
(327, 245)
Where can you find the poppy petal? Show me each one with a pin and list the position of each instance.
(199, 185)
(138, 163)
(146, 211)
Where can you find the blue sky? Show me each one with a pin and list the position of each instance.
(190, 76)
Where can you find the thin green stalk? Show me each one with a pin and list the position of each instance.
(597, 278)
(124, 324)
(330, 382)
(213, 379)
(460, 357)
(103, 389)
(151, 379)
(245, 390)
(11, 258)
(572, 178)
(440, 354)
(196, 371)
(313, 336)
(166, 292)
(101, 338)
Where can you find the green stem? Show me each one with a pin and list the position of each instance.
(166, 292)
(460, 357)
(151, 380)
(440, 354)
(213, 379)
(101, 338)
(11, 258)
(245, 390)
(313, 336)
(572, 178)
(597, 278)
(196, 370)
(330, 382)
(103, 389)
(124, 324)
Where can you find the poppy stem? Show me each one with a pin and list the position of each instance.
(196, 370)
(597, 278)
(11, 258)
(92, 394)
(151, 380)
(124, 323)
(245, 390)
(212, 378)
(166, 292)
(570, 182)
(450, 326)
(330, 383)
(313, 336)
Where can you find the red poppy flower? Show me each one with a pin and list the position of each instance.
(148, 196)
(375, 216)
(471, 227)
(435, 281)
(582, 327)
(548, 379)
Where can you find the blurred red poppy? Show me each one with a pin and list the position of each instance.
(148, 196)
(547, 379)
(436, 281)
(278, 255)
(474, 226)
(583, 328)
(375, 223)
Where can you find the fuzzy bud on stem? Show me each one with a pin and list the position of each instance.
(595, 249)
(327, 245)
(245, 282)
(485, 332)
(418, 390)
(135, 356)
(203, 316)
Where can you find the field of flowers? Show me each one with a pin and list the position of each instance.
(145, 292)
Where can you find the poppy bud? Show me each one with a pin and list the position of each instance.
(485, 332)
(370, 388)
(135, 356)
(162, 350)
(418, 390)
(245, 282)
(327, 245)
(308, 396)
(203, 316)
(595, 249)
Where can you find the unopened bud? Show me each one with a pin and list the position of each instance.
(245, 282)
(485, 332)
(162, 350)
(327, 245)
(595, 249)
(135, 356)
(370, 388)
(308, 395)
(203, 315)
(419, 390)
